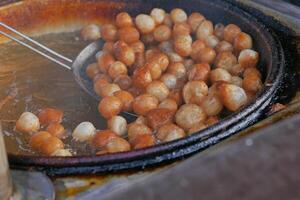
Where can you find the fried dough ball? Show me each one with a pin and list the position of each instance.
(242, 41)
(123, 81)
(169, 80)
(169, 104)
(223, 46)
(194, 92)
(196, 47)
(162, 33)
(211, 41)
(124, 53)
(109, 89)
(205, 29)
(170, 132)
(220, 74)
(174, 57)
(50, 115)
(158, 89)
(117, 145)
(92, 70)
(212, 105)
(176, 95)
(143, 141)
(199, 72)
(230, 32)
(159, 117)
(206, 55)
(62, 153)
(141, 77)
(194, 20)
(236, 80)
(158, 15)
(100, 81)
(139, 60)
(28, 123)
(219, 30)
(178, 15)
(126, 99)
(145, 23)
(141, 120)
(232, 96)
(252, 82)
(118, 125)
(180, 29)
(129, 34)
(136, 129)
(144, 103)
(237, 70)
(109, 32)
(177, 69)
(117, 68)
(225, 60)
(91, 32)
(162, 60)
(183, 45)
(101, 138)
(84, 131)
(45, 143)
(38, 139)
(189, 115)
(56, 129)
(188, 63)
(248, 58)
(155, 70)
(108, 47)
(168, 20)
(104, 60)
(110, 106)
(138, 47)
(123, 19)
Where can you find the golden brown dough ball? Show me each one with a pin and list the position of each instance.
(123, 19)
(110, 106)
(109, 32)
(230, 32)
(144, 103)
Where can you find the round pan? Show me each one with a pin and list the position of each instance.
(272, 66)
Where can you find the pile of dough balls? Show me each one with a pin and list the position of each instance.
(178, 73)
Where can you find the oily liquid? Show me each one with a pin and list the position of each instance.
(5, 181)
(41, 83)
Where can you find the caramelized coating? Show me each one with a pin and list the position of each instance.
(50, 115)
(194, 92)
(211, 41)
(143, 141)
(104, 60)
(223, 46)
(158, 117)
(189, 115)
(183, 45)
(38, 139)
(178, 15)
(242, 41)
(28, 123)
(144, 103)
(56, 129)
(199, 72)
(230, 32)
(117, 145)
(109, 89)
(161, 59)
(252, 82)
(91, 32)
(123, 19)
(206, 55)
(110, 106)
(248, 58)
(177, 69)
(236, 80)
(212, 105)
(123, 81)
(205, 29)
(233, 97)
(102, 138)
(145, 23)
(138, 47)
(100, 82)
(136, 129)
(92, 70)
(162, 33)
(174, 57)
(118, 125)
(158, 89)
(181, 29)
(194, 20)
(197, 45)
(169, 80)
(141, 77)
(124, 53)
(176, 95)
(169, 104)
(117, 68)
(108, 47)
(155, 70)
(126, 99)
(225, 60)
(220, 74)
(109, 32)
(129, 34)
(170, 132)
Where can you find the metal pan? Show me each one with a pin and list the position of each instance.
(272, 65)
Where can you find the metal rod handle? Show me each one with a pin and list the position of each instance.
(46, 49)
